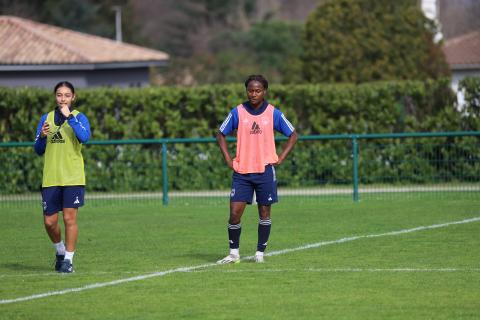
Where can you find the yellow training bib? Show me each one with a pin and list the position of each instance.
(63, 161)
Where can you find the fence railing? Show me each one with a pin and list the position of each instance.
(354, 139)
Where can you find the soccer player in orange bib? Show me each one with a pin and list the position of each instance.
(253, 166)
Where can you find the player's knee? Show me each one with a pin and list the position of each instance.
(265, 216)
(234, 218)
(50, 223)
(264, 212)
(69, 220)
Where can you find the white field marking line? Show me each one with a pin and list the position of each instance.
(392, 233)
(106, 284)
(395, 270)
(344, 270)
(56, 274)
(351, 269)
(203, 266)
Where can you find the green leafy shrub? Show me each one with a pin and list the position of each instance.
(171, 112)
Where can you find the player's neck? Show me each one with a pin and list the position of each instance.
(257, 105)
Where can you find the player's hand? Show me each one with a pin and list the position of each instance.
(65, 110)
(280, 160)
(230, 163)
(45, 129)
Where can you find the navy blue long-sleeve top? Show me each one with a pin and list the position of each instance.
(79, 124)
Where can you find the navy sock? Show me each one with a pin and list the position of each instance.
(264, 227)
(234, 231)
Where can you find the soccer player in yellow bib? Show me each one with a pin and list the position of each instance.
(60, 135)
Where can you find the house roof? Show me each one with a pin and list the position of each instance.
(25, 42)
(463, 52)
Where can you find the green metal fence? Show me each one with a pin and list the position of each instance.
(321, 166)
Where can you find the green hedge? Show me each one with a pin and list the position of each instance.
(172, 112)
(159, 112)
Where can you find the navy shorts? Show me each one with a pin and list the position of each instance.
(54, 199)
(264, 184)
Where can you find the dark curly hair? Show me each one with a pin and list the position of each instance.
(259, 78)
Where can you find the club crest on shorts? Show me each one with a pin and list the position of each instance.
(44, 205)
(76, 200)
(232, 193)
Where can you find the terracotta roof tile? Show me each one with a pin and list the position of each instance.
(463, 50)
(27, 42)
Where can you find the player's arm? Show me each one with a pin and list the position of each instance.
(222, 143)
(81, 127)
(228, 126)
(281, 124)
(288, 147)
(41, 136)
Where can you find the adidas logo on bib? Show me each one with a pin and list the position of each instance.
(57, 138)
(255, 129)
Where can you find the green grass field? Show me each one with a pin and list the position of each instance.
(431, 273)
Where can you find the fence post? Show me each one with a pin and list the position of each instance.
(164, 173)
(355, 168)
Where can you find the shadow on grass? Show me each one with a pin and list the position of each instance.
(25, 267)
(207, 257)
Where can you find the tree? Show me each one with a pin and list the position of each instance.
(214, 41)
(185, 28)
(368, 40)
(271, 48)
